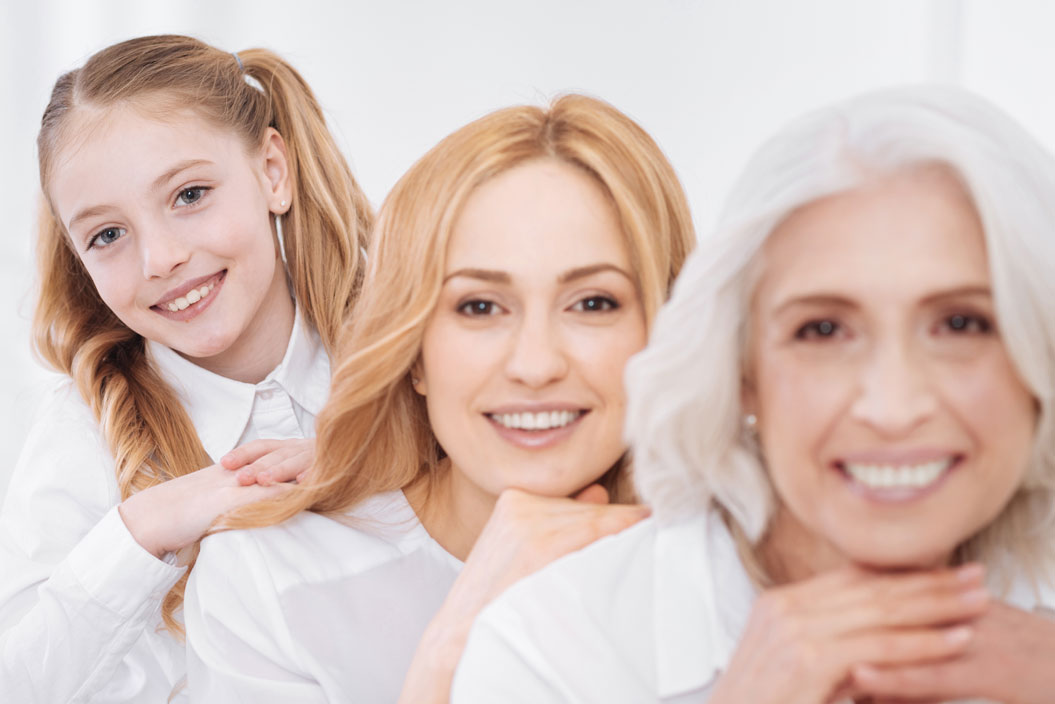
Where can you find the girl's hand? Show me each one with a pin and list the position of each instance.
(177, 513)
(268, 462)
(803, 641)
(524, 533)
(1010, 659)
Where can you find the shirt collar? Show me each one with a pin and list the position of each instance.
(220, 408)
(703, 598)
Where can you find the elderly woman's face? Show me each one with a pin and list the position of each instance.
(892, 422)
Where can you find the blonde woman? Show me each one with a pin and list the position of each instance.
(845, 424)
(515, 269)
(185, 325)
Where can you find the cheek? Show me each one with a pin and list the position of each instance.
(798, 403)
(996, 408)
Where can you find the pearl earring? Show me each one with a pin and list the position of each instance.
(750, 421)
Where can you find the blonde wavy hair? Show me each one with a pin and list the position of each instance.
(374, 434)
(684, 392)
(146, 429)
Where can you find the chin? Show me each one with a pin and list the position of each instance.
(899, 557)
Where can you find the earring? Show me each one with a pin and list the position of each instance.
(281, 239)
(750, 421)
(283, 204)
(414, 381)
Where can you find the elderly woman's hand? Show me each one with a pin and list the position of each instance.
(1011, 659)
(803, 640)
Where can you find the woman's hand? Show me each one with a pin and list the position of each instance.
(268, 462)
(803, 641)
(177, 513)
(1010, 659)
(524, 533)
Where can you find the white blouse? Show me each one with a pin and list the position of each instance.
(314, 609)
(652, 614)
(79, 597)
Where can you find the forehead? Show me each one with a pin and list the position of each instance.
(109, 155)
(540, 216)
(897, 238)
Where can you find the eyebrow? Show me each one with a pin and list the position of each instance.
(158, 183)
(830, 299)
(502, 277)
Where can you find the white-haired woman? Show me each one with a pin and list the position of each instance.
(845, 424)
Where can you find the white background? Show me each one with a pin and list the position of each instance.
(709, 79)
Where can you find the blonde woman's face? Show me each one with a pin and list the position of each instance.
(172, 220)
(892, 422)
(522, 360)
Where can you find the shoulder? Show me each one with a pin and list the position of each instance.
(65, 456)
(313, 548)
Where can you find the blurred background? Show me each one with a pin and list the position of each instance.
(709, 79)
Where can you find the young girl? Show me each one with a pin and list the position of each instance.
(515, 269)
(199, 249)
(847, 405)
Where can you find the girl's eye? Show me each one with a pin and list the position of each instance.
(190, 196)
(478, 307)
(595, 304)
(818, 330)
(966, 323)
(106, 237)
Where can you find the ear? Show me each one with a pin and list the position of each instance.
(417, 378)
(748, 396)
(276, 173)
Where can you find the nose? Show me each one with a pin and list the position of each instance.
(161, 250)
(894, 396)
(537, 353)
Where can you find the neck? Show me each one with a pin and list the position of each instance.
(453, 510)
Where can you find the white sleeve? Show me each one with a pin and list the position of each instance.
(76, 589)
(239, 648)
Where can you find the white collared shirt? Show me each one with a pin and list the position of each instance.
(652, 614)
(79, 597)
(314, 609)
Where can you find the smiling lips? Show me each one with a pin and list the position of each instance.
(187, 300)
(897, 481)
(536, 429)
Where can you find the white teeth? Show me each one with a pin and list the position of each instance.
(536, 421)
(917, 476)
(192, 297)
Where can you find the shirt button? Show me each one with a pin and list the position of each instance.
(266, 395)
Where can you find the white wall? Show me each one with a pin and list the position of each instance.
(708, 78)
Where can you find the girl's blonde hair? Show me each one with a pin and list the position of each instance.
(144, 424)
(684, 410)
(374, 434)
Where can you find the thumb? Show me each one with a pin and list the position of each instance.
(593, 494)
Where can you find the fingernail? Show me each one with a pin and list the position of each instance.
(958, 635)
(970, 572)
(264, 478)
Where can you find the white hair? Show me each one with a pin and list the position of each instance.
(684, 415)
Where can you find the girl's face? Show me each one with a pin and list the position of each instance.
(891, 420)
(171, 218)
(522, 360)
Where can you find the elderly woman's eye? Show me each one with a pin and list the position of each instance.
(966, 323)
(818, 330)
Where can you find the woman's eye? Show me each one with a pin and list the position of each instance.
(190, 196)
(818, 330)
(106, 237)
(966, 323)
(478, 308)
(595, 304)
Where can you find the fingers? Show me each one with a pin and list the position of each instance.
(593, 494)
(249, 452)
(904, 646)
(280, 461)
(911, 682)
